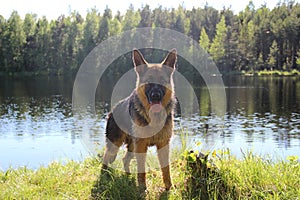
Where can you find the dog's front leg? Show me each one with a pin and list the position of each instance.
(140, 153)
(163, 157)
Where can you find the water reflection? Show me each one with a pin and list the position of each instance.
(37, 124)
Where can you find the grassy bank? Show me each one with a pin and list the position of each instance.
(293, 72)
(221, 176)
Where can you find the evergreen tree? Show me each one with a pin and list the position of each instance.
(161, 17)
(263, 35)
(90, 32)
(16, 39)
(246, 45)
(231, 41)
(30, 45)
(204, 40)
(29, 24)
(145, 17)
(3, 43)
(41, 60)
(196, 22)
(180, 22)
(217, 48)
(73, 34)
(211, 18)
(132, 19)
(272, 58)
(116, 26)
(104, 28)
(260, 62)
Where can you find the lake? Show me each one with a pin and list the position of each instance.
(37, 125)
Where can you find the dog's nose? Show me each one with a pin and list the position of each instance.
(155, 96)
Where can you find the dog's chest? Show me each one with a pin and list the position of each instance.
(154, 134)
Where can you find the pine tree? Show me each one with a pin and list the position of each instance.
(90, 32)
(217, 48)
(260, 61)
(116, 26)
(204, 40)
(132, 19)
(29, 53)
(145, 17)
(17, 39)
(272, 58)
(42, 45)
(104, 27)
(3, 43)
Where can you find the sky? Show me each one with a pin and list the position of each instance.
(54, 8)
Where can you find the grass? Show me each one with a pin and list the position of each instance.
(293, 72)
(255, 177)
(217, 176)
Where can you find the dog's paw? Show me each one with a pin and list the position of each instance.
(143, 192)
(168, 187)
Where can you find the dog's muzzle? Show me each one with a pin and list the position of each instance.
(154, 93)
(155, 97)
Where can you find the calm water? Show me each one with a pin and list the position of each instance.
(37, 125)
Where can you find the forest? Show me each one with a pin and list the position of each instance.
(253, 39)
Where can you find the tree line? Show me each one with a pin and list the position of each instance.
(254, 39)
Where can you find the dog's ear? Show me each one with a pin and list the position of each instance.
(140, 64)
(171, 59)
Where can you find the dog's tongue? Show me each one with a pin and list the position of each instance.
(155, 107)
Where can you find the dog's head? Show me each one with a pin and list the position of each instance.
(154, 80)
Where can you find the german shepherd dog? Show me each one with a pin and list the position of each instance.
(145, 118)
